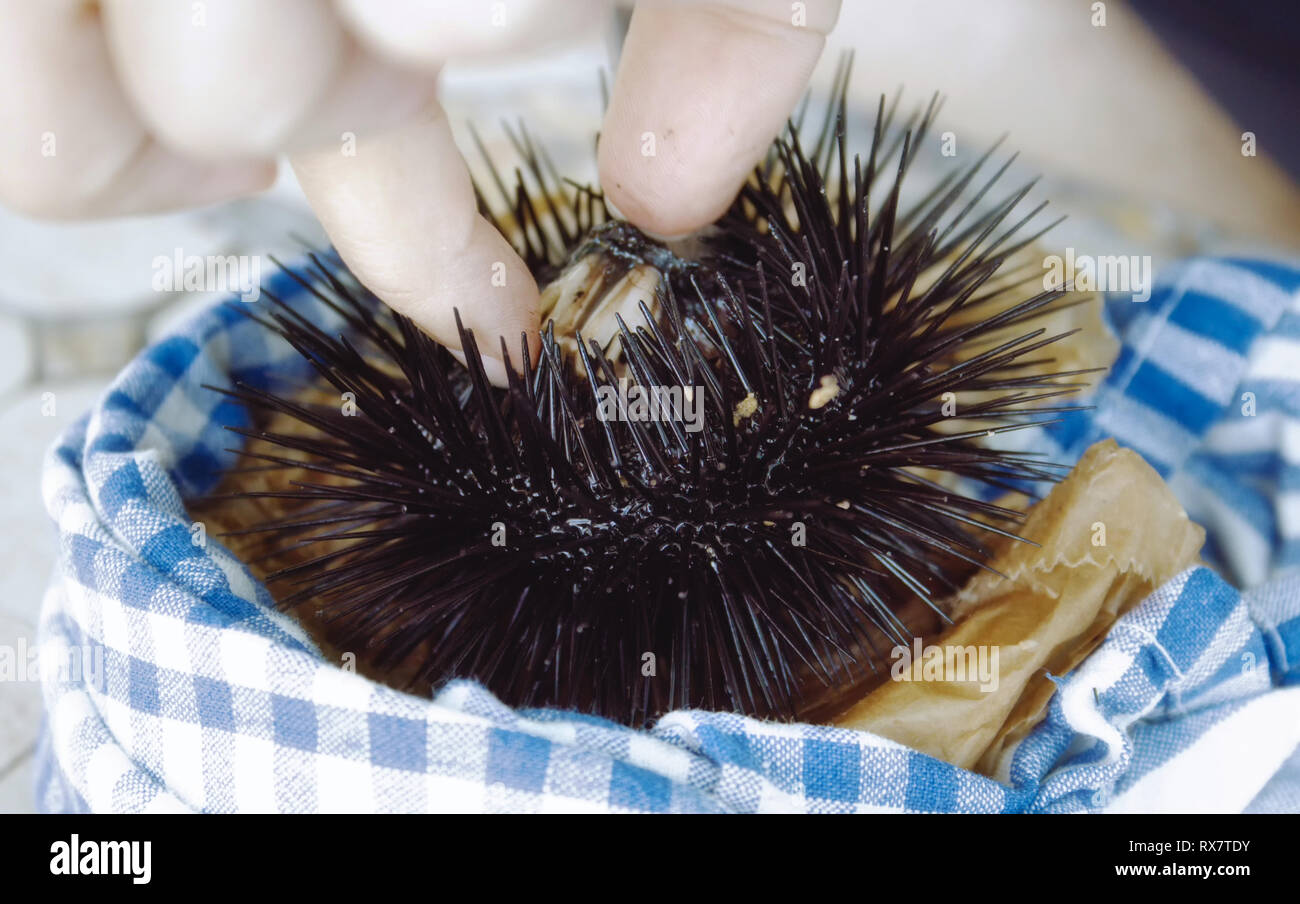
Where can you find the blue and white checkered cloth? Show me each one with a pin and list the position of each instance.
(195, 694)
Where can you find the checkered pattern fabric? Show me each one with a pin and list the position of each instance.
(172, 684)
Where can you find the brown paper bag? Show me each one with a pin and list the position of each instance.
(1107, 535)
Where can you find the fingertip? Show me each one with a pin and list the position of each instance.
(495, 295)
(402, 213)
(500, 358)
(702, 89)
(655, 198)
(489, 292)
(498, 301)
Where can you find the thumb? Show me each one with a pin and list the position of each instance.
(400, 209)
(702, 89)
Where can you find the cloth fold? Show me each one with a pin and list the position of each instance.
(208, 699)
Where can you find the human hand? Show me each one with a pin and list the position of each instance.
(155, 105)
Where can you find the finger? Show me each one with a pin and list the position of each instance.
(702, 89)
(253, 77)
(428, 32)
(403, 216)
(70, 143)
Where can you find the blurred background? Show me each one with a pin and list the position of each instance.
(1136, 115)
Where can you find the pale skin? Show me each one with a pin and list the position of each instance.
(152, 112)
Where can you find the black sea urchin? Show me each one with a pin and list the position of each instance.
(627, 565)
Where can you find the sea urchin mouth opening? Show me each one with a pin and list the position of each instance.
(615, 273)
(570, 553)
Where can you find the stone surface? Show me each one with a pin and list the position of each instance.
(27, 554)
(26, 534)
(61, 270)
(16, 356)
(20, 698)
(16, 792)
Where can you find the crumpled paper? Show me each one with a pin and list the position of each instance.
(1106, 536)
